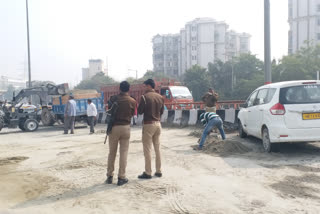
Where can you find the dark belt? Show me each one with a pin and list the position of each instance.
(150, 122)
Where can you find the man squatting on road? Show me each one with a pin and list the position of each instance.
(210, 120)
(120, 134)
(70, 115)
(152, 106)
(92, 115)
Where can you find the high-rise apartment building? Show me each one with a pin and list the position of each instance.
(166, 53)
(304, 21)
(95, 66)
(201, 41)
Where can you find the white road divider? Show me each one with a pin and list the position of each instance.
(182, 117)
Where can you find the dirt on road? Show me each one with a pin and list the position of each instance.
(48, 172)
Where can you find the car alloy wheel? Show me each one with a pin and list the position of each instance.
(267, 145)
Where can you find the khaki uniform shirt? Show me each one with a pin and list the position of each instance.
(126, 107)
(151, 105)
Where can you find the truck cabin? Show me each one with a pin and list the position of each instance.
(176, 94)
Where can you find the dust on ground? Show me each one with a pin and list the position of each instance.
(48, 172)
(12, 160)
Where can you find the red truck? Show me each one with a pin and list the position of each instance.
(175, 95)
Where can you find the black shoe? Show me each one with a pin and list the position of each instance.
(144, 176)
(158, 174)
(109, 180)
(197, 148)
(122, 181)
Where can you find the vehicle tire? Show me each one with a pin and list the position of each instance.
(1, 124)
(31, 125)
(267, 145)
(21, 125)
(242, 133)
(1, 120)
(47, 117)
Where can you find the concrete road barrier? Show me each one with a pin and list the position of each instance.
(183, 117)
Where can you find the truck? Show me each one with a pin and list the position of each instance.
(50, 107)
(176, 96)
(59, 104)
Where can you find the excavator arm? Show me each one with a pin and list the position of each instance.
(42, 92)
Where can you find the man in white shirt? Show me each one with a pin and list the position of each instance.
(92, 115)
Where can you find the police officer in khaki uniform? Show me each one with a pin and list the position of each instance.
(152, 106)
(120, 134)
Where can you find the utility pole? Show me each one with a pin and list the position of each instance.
(232, 68)
(135, 71)
(267, 43)
(317, 75)
(28, 41)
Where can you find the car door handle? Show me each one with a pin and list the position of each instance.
(260, 109)
(249, 111)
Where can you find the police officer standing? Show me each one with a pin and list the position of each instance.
(152, 106)
(120, 133)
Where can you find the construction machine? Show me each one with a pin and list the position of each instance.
(19, 114)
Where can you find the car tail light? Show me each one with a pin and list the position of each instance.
(278, 109)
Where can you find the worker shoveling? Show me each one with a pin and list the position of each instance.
(214, 143)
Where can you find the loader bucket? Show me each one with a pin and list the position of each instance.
(63, 89)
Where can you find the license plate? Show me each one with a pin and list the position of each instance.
(310, 116)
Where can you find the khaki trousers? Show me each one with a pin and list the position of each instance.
(119, 135)
(151, 135)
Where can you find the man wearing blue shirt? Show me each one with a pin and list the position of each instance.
(210, 120)
(70, 115)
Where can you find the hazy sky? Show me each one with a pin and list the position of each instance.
(65, 34)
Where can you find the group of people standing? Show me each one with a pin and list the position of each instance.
(151, 106)
(70, 115)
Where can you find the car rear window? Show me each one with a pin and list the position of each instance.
(301, 94)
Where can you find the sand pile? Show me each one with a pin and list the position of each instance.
(226, 147)
(196, 133)
(215, 145)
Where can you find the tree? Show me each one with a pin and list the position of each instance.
(246, 71)
(197, 80)
(132, 80)
(220, 78)
(298, 66)
(96, 82)
(155, 75)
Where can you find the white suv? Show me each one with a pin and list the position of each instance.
(282, 112)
